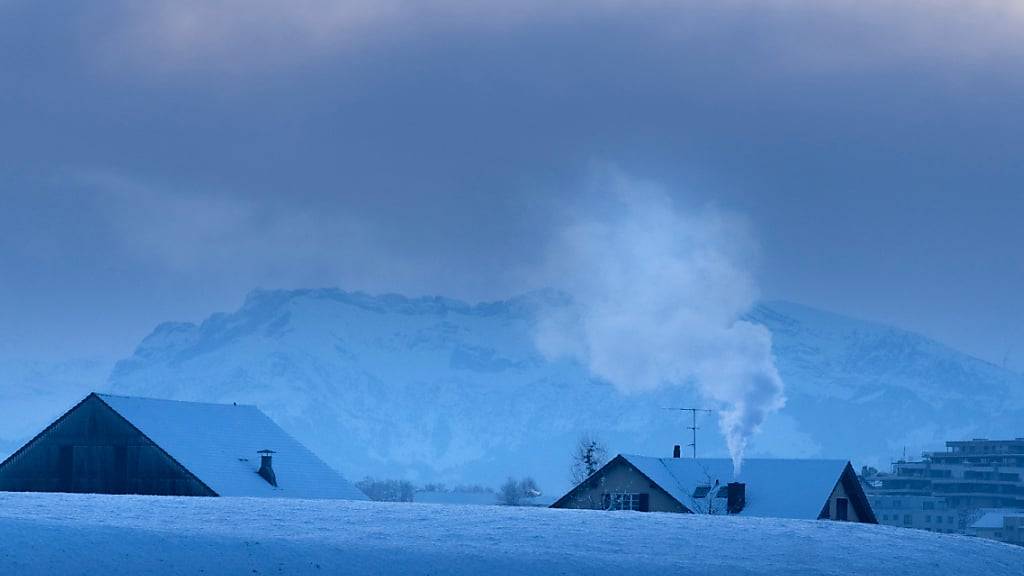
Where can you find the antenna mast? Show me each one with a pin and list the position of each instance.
(693, 427)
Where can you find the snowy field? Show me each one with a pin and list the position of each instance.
(110, 535)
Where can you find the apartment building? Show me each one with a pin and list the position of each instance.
(948, 491)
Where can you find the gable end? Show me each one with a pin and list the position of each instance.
(92, 448)
(856, 496)
(181, 467)
(591, 482)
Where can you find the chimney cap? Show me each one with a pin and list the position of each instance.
(736, 497)
(266, 451)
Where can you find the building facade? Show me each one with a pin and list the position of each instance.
(948, 491)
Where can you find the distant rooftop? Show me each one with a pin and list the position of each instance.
(776, 488)
(995, 518)
(219, 444)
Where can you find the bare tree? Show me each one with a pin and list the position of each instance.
(516, 492)
(588, 457)
(387, 490)
(966, 516)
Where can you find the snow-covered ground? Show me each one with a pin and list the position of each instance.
(109, 535)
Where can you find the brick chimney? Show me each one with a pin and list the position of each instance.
(267, 466)
(676, 451)
(736, 497)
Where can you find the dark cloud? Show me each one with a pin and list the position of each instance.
(162, 159)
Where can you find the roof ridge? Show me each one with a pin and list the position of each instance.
(726, 458)
(152, 399)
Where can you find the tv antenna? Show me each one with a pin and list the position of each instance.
(693, 427)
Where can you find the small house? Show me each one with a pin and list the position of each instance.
(110, 444)
(1002, 524)
(774, 488)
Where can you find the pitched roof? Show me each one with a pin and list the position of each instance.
(775, 488)
(218, 443)
(995, 518)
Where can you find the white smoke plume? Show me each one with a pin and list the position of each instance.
(658, 295)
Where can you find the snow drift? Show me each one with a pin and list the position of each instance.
(42, 534)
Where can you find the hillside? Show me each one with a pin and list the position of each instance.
(112, 535)
(438, 390)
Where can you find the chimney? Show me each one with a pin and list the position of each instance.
(736, 497)
(675, 451)
(267, 466)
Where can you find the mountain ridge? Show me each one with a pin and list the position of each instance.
(436, 389)
(431, 388)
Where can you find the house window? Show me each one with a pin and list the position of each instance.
(929, 505)
(928, 519)
(908, 519)
(938, 519)
(626, 501)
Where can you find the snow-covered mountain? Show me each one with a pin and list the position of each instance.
(436, 389)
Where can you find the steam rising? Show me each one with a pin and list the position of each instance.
(658, 295)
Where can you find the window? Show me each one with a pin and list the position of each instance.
(908, 520)
(928, 519)
(928, 505)
(949, 519)
(626, 501)
(938, 519)
(703, 491)
(896, 504)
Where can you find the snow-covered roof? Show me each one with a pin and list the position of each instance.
(775, 488)
(218, 443)
(995, 518)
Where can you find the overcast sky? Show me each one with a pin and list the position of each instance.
(160, 160)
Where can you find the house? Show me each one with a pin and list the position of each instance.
(1006, 525)
(802, 489)
(124, 445)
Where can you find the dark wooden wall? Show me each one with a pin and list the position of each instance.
(93, 449)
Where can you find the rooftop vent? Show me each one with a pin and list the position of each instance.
(736, 497)
(267, 466)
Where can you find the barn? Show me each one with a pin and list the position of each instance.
(774, 488)
(109, 444)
